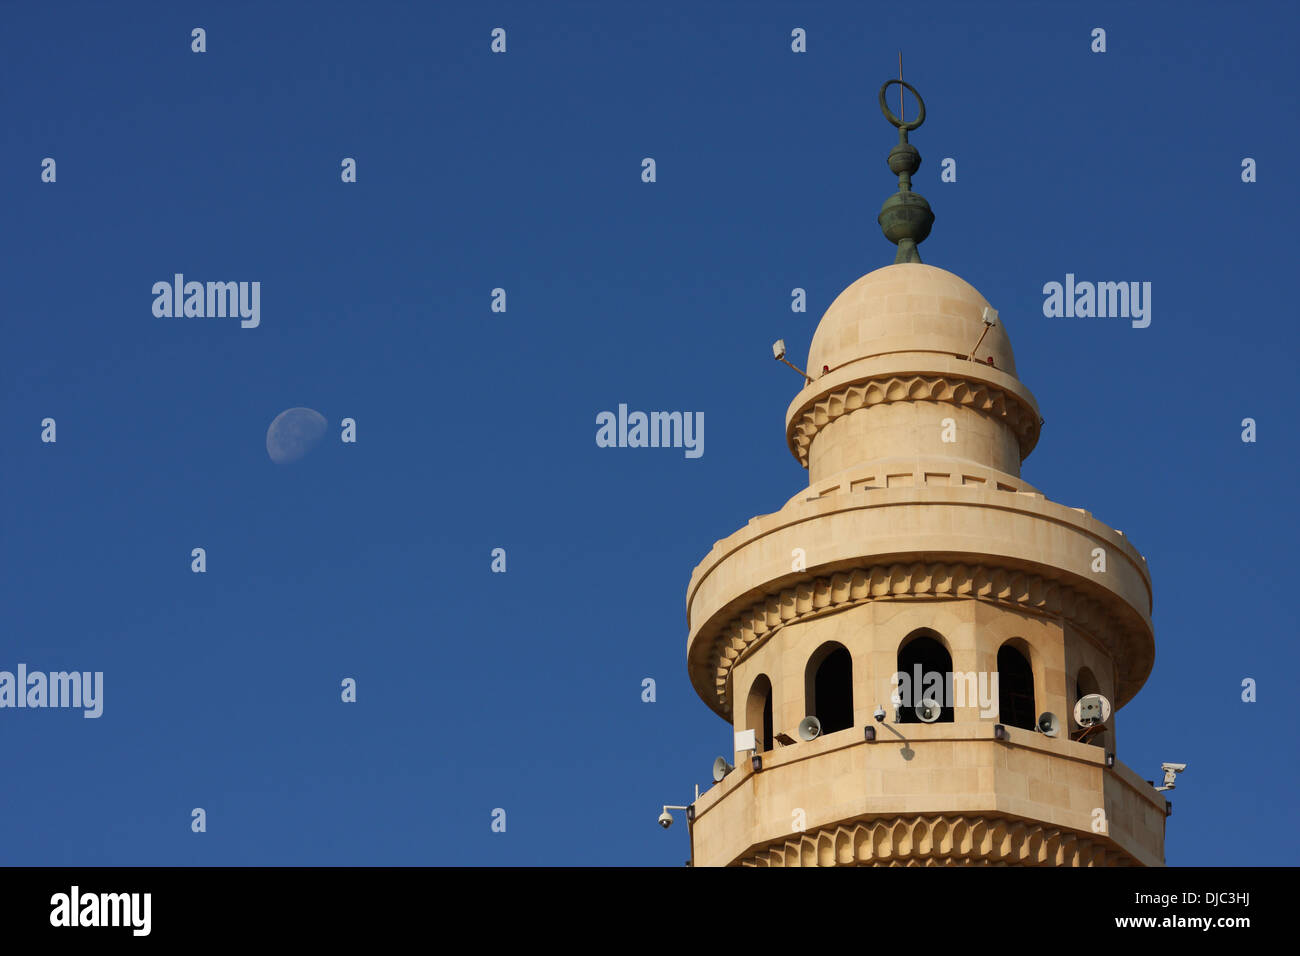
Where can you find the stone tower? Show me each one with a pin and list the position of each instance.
(917, 549)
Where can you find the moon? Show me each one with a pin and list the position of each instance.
(293, 433)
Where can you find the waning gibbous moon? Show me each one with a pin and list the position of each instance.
(294, 433)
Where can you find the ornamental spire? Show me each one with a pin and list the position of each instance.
(905, 218)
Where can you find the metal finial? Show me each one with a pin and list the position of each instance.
(905, 218)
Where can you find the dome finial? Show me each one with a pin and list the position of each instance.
(905, 218)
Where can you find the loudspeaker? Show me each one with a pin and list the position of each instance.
(810, 728)
(928, 710)
(720, 769)
(1048, 724)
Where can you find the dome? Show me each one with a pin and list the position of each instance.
(907, 307)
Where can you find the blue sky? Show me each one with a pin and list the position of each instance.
(475, 429)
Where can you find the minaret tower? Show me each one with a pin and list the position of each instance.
(918, 550)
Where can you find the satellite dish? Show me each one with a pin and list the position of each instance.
(720, 769)
(810, 728)
(1091, 710)
(928, 710)
(1048, 724)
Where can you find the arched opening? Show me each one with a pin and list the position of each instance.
(1015, 688)
(828, 687)
(758, 712)
(924, 672)
(1085, 684)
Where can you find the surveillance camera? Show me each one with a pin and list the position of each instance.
(778, 349)
(1172, 770)
(879, 714)
(665, 819)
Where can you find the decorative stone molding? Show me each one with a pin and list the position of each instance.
(845, 589)
(942, 840)
(988, 400)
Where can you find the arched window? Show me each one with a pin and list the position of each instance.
(828, 687)
(1085, 684)
(1015, 689)
(926, 668)
(758, 711)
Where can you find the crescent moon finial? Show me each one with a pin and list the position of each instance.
(889, 114)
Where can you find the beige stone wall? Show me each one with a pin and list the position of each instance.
(916, 428)
(912, 473)
(1134, 817)
(933, 532)
(937, 769)
(908, 379)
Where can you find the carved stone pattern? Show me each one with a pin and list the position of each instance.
(847, 589)
(986, 399)
(941, 840)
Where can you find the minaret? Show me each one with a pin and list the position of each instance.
(918, 550)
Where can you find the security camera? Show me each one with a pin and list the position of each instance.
(879, 714)
(665, 819)
(1171, 770)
